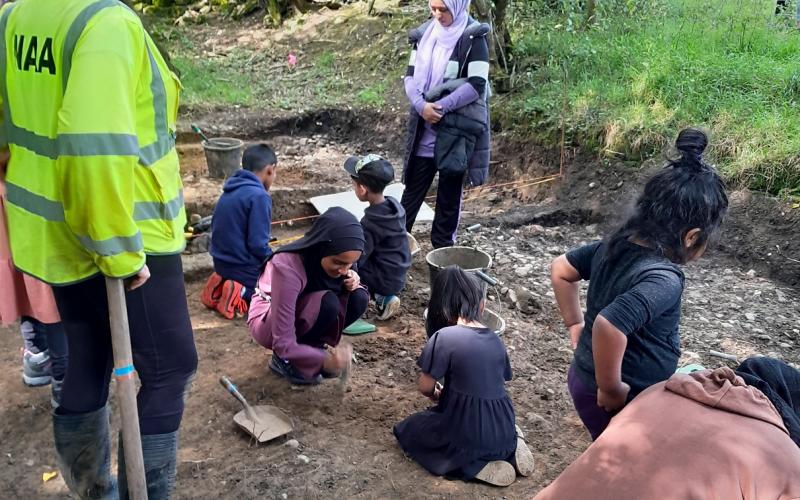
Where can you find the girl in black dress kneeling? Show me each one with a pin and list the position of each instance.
(470, 432)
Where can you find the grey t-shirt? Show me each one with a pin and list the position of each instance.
(639, 293)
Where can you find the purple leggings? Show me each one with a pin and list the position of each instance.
(594, 418)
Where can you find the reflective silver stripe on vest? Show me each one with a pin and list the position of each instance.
(97, 145)
(148, 210)
(75, 32)
(164, 139)
(113, 246)
(49, 210)
(74, 144)
(53, 211)
(151, 153)
(90, 144)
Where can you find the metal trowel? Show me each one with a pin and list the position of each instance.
(263, 422)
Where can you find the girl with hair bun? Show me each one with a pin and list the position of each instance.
(628, 338)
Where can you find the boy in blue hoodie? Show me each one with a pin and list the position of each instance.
(240, 226)
(386, 258)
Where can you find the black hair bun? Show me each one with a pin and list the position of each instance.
(691, 143)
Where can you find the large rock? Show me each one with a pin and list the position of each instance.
(527, 302)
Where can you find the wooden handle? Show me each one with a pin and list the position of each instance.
(126, 388)
(722, 355)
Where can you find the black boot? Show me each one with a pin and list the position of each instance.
(159, 451)
(83, 453)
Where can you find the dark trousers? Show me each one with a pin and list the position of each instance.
(593, 417)
(164, 354)
(418, 179)
(329, 312)
(48, 337)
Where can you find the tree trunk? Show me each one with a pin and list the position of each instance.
(501, 32)
(494, 13)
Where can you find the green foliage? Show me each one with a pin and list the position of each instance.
(274, 10)
(215, 81)
(372, 95)
(325, 60)
(642, 70)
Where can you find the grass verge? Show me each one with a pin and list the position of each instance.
(647, 69)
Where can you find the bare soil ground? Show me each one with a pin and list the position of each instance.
(727, 307)
(741, 299)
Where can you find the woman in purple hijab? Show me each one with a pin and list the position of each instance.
(448, 130)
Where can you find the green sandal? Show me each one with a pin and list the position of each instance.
(360, 327)
(690, 369)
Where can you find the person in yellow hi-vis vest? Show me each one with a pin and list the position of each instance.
(94, 190)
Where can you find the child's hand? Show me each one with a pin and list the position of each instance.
(337, 358)
(614, 399)
(352, 281)
(437, 391)
(575, 334)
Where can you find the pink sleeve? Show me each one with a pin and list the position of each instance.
(287, 283)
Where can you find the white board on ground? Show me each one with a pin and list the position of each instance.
(349, 202)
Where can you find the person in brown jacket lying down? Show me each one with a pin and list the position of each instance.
(704, 436)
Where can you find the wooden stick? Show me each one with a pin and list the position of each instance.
(126, 389)
(729, 357)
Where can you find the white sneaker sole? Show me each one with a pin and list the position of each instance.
(497, 473)
(36, 381)
(524, 458)
(392, 308)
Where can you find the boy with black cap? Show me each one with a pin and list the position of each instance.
(386, 258)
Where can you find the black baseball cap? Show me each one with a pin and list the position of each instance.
(372, 166)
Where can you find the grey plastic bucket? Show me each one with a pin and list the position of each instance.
(468, 258)
(491, 319)
(223, 156)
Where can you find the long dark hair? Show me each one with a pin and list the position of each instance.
(455, 294)
(686, 194)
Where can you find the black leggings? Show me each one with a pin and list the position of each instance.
(161, 338)
(357, 303)
(418, 179)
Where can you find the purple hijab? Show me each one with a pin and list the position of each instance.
(437, 44)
